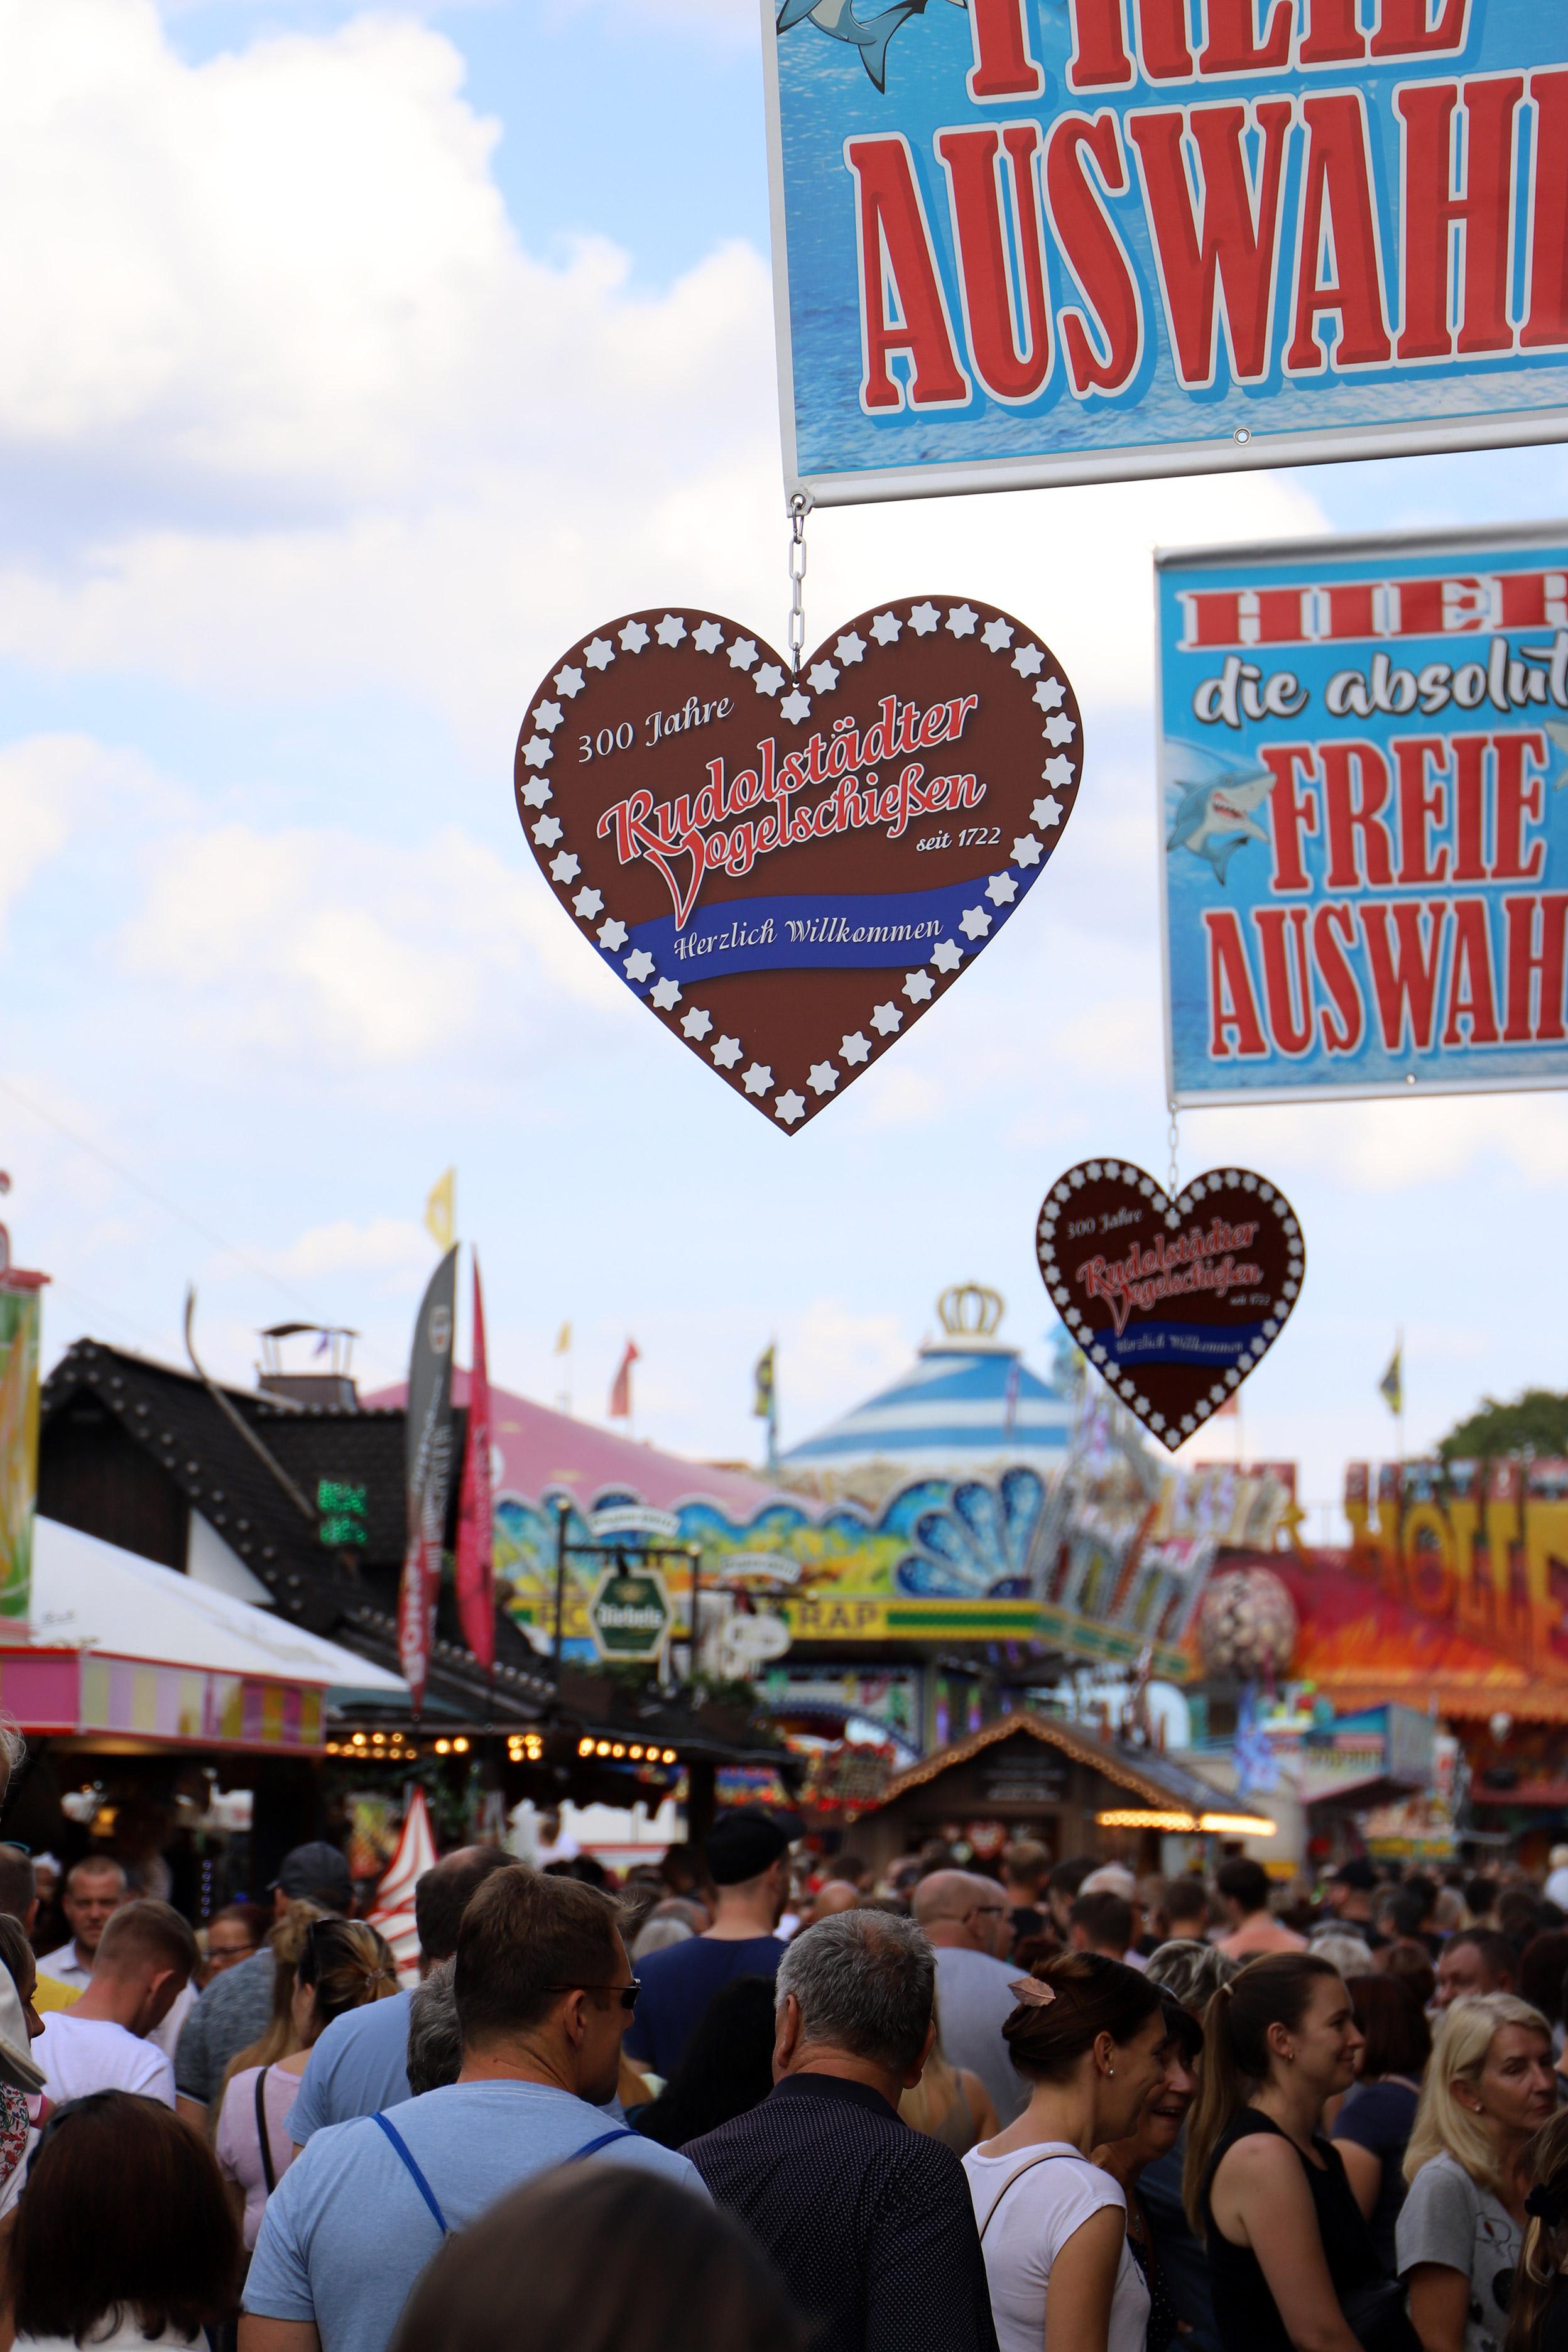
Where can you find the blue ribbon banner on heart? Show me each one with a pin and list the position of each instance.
(835, 931)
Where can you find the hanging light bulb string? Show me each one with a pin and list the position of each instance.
(799, 507)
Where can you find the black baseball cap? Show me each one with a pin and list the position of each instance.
(314, 1872)
(741, 1845)
(1357, 1873)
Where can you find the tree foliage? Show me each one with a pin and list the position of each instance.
(1534, 1424)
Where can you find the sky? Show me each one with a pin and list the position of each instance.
(356, 363)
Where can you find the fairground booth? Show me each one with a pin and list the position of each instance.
(978, 1605)
(210, 1629)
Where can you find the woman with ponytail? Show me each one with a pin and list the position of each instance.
(1089, 2036)
(339, 1965)
(1538, 2307)
(1291, 2257)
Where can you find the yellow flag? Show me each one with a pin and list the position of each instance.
(564, 1340)
(441, 1211)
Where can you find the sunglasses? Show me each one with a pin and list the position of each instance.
(629, 1992)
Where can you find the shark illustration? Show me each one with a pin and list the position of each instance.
(1214, 816)
(869, 35)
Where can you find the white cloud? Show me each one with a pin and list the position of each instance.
(357, 437)
(318, 947)
(1394, 1145)
(54, 786)
(894, 1095)
(274, 265)
(832, 1356)
(36, 786)
(64, 1154)
(395, 1249)
(258, 926)
(1115, 1032)
(291, 266)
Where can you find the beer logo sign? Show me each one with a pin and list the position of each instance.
(1174, 1302)
(790, 870)
(629, 1616)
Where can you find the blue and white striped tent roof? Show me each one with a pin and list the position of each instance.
(966, 1402)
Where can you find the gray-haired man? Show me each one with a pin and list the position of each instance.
(871, 2225)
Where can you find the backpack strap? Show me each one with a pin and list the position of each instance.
(1052, 2156)
(269, 2173)
(423, 2186)
(622, 2131)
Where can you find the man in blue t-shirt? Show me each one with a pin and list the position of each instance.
(748, 1861)
(541, 1984)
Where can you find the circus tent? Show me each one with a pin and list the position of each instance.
(967, 1405)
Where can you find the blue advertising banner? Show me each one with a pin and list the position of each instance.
(1364, 835)
(1032, 241)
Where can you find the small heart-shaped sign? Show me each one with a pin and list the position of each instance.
(790, 871)
(1174, 1302)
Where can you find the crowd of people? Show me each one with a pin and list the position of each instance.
(747, 2102)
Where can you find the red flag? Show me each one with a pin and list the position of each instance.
(621, 1394)
(474, 1574)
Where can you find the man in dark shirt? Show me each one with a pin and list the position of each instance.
(748, 1859)
(871, 2223)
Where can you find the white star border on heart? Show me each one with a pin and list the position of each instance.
(1117, 1377)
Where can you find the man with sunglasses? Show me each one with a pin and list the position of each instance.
(545, 1992)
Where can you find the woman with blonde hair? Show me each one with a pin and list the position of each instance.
(336, 1965)
(285, 1940)
(1538, 2307)
(949, 2103)
(1291, 2261)
(1489, 2087)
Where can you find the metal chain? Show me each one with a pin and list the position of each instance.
(799, 507)
(1173, 1142)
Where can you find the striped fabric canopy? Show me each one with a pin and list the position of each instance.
(394, 1912)
(962, 1404)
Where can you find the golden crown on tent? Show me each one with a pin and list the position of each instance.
(970, 1311)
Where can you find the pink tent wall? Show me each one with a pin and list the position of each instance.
(541, 1450)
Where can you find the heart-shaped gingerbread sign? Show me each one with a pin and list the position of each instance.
(1174, 1302)
(790, 871)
